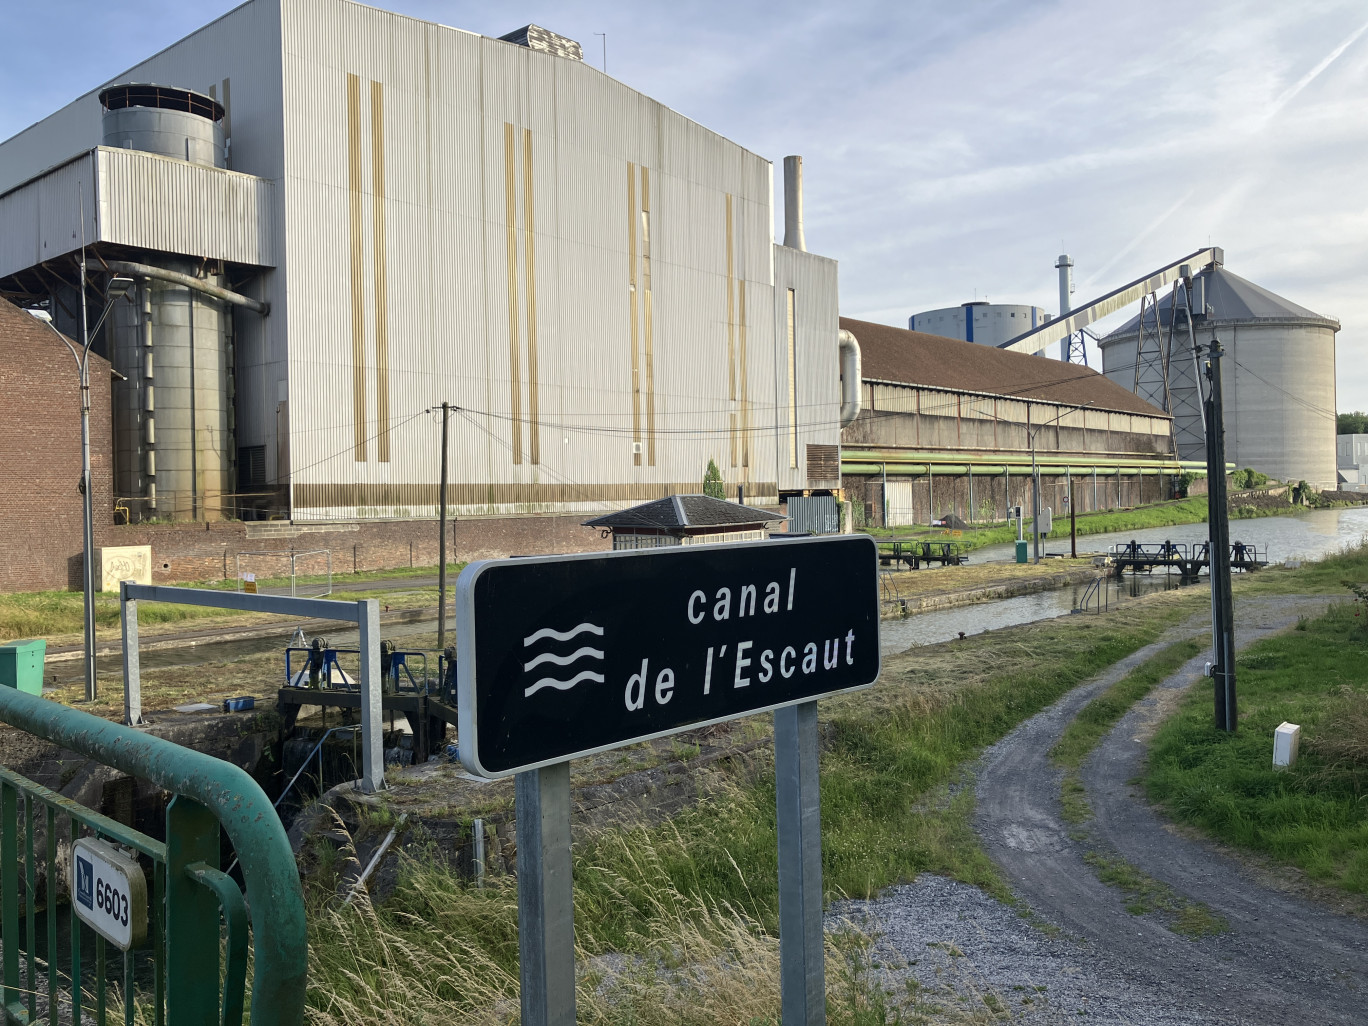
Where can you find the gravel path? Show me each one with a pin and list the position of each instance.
(1282, 960)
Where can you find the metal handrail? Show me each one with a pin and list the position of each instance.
(318, 748)
(274, 894)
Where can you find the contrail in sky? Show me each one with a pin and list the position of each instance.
(1148, 231)
(1289, 94)
(1301, 83)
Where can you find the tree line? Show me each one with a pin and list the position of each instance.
(1355, 423)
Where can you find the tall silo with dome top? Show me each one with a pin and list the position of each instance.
(1278, 375)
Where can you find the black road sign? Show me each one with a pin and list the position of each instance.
(563, 656)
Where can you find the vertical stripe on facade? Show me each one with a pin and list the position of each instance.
(647, 315)
(632, 315)
(358, 298)
(745, 398)
(533, 428)
(791, 318)
(511, 241)
(382, 397)
(731, 327)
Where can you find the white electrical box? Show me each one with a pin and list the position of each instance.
(1286, 740)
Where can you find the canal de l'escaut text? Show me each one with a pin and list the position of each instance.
(563, 656)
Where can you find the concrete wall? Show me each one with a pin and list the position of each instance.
(942, 421)
(909, 500)
(195, 552)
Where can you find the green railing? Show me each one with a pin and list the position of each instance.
(186, 972)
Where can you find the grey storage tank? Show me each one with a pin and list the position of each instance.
(1278, 376)
(162, 119)
(173, 409)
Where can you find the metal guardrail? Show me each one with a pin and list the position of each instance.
(187, 892)
(365, 613)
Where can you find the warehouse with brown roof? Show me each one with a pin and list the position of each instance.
(948, 427)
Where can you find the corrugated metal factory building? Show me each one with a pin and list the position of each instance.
(410, 214)
(946, 427)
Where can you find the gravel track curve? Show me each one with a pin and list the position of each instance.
(1072, 950)
(1282, 959)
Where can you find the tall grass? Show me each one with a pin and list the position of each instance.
(44, 614)
(1314, 815)
(651, 949)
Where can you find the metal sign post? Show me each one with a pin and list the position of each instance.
(802, 968)
(546, 928)
(565, 656)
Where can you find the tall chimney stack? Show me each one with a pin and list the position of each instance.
(793, 203)
(1065, 264)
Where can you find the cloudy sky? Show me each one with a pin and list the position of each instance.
(950, 150)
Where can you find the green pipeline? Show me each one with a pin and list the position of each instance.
(873, 463)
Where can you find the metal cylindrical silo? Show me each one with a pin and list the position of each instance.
(1278, 376)
(173, 421)
(165, 120)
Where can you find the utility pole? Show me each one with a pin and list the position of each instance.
(87, 499)
(442, 543)
(1222, 606)
(1073, 525)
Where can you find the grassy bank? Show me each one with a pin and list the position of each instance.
(1160, 514)
(53, 614)
(1313, 816)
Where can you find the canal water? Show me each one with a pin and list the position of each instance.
(1310, 535)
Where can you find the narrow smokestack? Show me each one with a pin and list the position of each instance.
(793, 203)
(1065, 265)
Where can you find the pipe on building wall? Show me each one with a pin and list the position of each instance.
(189, 281)
(793, 204)
(149, 404)
(848, 348)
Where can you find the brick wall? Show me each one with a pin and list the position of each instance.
(196, 552)
(40, 455)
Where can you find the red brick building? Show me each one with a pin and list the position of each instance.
(40, 455)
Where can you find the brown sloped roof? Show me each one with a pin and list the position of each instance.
(916, 358)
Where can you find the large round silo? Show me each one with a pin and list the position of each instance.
(1278, 376)
(166, 120)
(173, 410)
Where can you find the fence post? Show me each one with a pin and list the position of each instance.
(128, 623)
(372, 717)
(192, 948)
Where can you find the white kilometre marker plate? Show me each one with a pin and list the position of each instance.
(109, 892)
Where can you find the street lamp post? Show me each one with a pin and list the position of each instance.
(1035, 473)
(117, 288)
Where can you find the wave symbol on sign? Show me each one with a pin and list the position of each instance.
(583, 652)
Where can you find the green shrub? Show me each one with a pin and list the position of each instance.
(1247, 478)
(712, 481)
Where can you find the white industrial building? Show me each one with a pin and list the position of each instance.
(339, 217)
(1351, 458)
